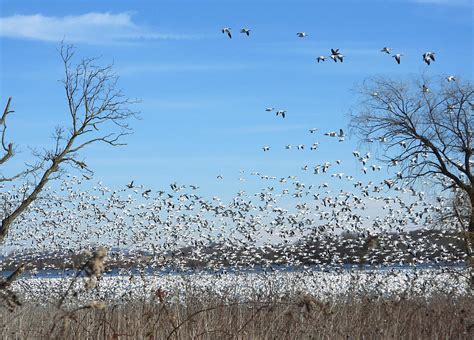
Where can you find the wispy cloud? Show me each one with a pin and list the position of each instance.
(93, 28)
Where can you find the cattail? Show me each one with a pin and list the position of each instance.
(97, 305)
(95, 267)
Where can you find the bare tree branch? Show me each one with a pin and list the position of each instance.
(99, 113)
(424, 127)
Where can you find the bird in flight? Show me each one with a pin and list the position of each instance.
(281, 112)
(302, 34)
(336, 55)
(451, 78)
(428, 57)
(386, 50)
(398, 57)
(130, 185)
(269, 109)
(245, 31)
(227, 30)
(266, 148)
(320, 58)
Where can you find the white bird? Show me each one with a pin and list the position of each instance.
(336, 55)
(425, 88)
(313, 130)
(266, 148)
(386, 50)
(320, 58)
(302, 34)
(300, 147)
(398, 57)
(228, 31)
(245, 30)
(288, 147)
(428, 57)
(269, 109)
(281, 112)
(451, 78)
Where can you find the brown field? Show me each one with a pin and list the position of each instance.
(297, 317)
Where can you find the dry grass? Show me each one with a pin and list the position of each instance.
(298, 317)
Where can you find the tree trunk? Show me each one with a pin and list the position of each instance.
(471, 218)
(469, 241)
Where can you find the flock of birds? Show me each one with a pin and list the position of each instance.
(336, 219)
(288, 236)
(335, 55)
(287, 223)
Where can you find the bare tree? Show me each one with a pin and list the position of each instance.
(98, 113)
(426, 128)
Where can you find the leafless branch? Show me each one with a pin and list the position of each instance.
(427, 133)
(99, 113)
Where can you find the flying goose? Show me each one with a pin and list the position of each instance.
(397, 57)
(331, 134)
(313, 130)
(245, 30)
(281, 112)
(269, 109)
(336, 55)
(428, 57)
(320, 58)
(451, 78)
(302, 34)
(386, 50)
(266, 148)
(227, 30)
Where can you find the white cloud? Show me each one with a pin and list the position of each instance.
(91, 28)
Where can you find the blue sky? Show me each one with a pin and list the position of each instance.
(203, 96)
